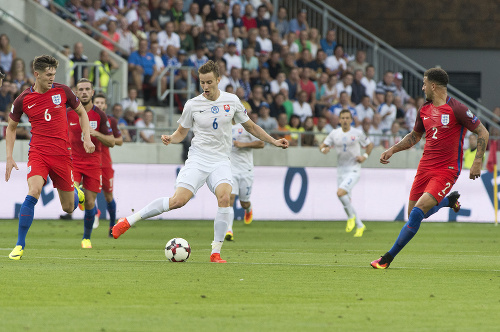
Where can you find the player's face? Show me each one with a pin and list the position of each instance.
(210, 86)
(45, 79)
(84, 92)
(427, 89)
(101, 103)
(345, 121)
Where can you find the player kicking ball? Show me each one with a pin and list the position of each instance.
(210, 115)
(444, 120)
(45, 105)
(348, 142)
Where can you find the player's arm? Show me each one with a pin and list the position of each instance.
(365, 155)
(108, 140)
(258, 132)
(10, 138)
(482, 141)
(85, 125)
(251, 145)
(119, 140)
(177, 137)
(407, 142)
(324, 148)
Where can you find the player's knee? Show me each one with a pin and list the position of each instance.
(68, 207)
(223, 200)
(177, 202)
(341, 192)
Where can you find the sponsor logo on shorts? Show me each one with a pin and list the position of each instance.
(56, 99)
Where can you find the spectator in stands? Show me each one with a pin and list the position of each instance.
(283, 126)
(7, 54)
(308, 86)
(400, 112)
(365, 109)
(314, 39)
(232, 59)
(257, 98)
(218, 16)
(335, 64)
(278, 84)
(129, 135)
(6, 98)
(293, 47)
(276, 40)
(142, 16)
(321, 103)
(137, 34)
(358, 89)
(240, 92)
(308, 138)
(329, 43)
(126, 40)
(169, 37)
(117, 111)
(375, 133)
(300, 23)
(281, 21)
(177, 13)
(295, 127)
(235, 20)
(110, 8)
(400, 90)
(387, 111)
(161, 16)
(249, 61)
(18, 74)
(148, 133)
(100, 16)
(276, 106)
(294, 86)
(386, 84)
(112, 34)
(199, 58)
(322, 129)
(369, 83)
(192, 18)
(235, 78)
(208, 39)
(359, 62)
(395, 134)
(265, 121)
(245, 83)
(305, 58)
(264, 81)
(303, 41)
(331, 94)
(344, 104)
(75, 8)
(345, 84)
(470, 153)
(78, 56)
(130, 103)
(288, 63)
(206, 10)
(366, 123)
(266, 45)
(218, 55)
(103, 67)
(261, 19)
(274, 64)
(186, 40)
(89, 10)
(141, 65)
(301, 107)
(318, 64)
(248, 20)
(224, 80)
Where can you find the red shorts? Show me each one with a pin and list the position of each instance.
(438, 184)
(59, 168)
(107, 179)
(92, 178)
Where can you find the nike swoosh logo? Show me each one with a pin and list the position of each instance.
(72, 124)
(30, 106)
(426, 117)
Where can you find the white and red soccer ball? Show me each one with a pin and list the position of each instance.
(177, 250)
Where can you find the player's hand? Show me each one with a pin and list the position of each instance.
(475, 170)
(166, 139)
(88, 146)
(8, 168)
(325, 149)
(237, 144)
(282, 142)
(93, 133)
(360, 159)
(384, 158)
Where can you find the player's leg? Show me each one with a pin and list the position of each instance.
(229, 233)
(346, 184)
(107, 188)
(245, 192)
(88, 219)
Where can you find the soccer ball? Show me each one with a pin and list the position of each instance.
(177, 250)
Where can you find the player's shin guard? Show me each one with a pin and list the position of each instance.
(153, 209)
(444, 203)
(26, 215)
(220, 226)
(408, 232)
(88, 222)
(112, 212)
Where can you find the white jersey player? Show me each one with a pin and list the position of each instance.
(348, 142)
(210, 115)
(242, 169)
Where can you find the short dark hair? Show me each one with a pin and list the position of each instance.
(209, 67)
(100, 95)
(85, 80)
(345, 111)
(437, 75)
(43, 62)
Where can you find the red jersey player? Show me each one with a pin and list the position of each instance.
(107, 165)
(87, 168)
(45, 105)
(445, 122)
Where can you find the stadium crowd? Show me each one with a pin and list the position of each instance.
(288, 76)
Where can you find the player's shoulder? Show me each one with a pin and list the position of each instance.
(356, 131)
(455, 104)
(99, 111)
(64, 87)
(23, 94)
(227, 96)
(112, 120)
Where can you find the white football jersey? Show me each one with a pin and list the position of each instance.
(211, 122)
(348, 147)
(242, 158)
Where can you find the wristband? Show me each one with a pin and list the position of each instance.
(365, 155)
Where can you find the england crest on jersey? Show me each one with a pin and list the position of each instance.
(445, 119)
(93, 125)
(56, 99)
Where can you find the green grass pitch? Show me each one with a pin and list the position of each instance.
(281, 276)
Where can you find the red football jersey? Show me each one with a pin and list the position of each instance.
(445, 128)
(47, 115)
(98, 121)
(106, 157)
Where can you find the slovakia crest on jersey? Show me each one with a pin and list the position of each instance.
(445, 119)
(240, 131)
(56, 99)
(227, 108)
(215, 109)
(93, 125)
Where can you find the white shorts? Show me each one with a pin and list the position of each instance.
(347, 180)
(242, 185)
(192, 176)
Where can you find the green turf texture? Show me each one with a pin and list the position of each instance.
(281, 276)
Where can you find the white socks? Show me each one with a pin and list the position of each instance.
(346, 202)
(221, 222)
(156, 207)
(231, 220)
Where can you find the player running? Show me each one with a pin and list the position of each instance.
(242, 169)
(107, 165)
(348, 142)
(444, 121)
(87, 168)
(210, 115)
(45, 105)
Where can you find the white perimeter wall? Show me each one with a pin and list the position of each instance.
(279, 193)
